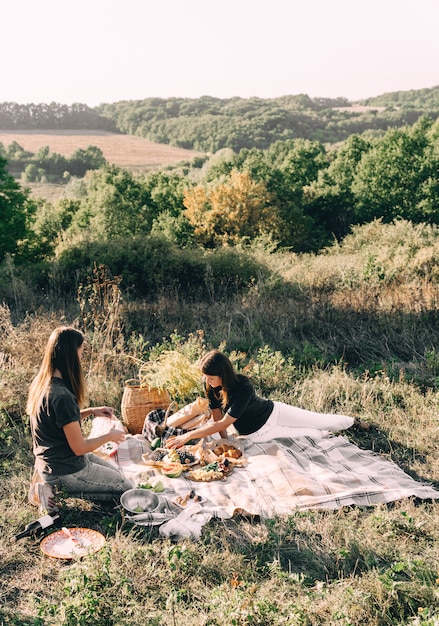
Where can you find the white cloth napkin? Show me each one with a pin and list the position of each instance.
(187, 524)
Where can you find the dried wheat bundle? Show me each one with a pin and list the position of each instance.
(174, 372)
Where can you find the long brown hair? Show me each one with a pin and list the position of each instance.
(215, 363)
(61, 353)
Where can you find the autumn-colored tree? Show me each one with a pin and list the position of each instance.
(228, 211)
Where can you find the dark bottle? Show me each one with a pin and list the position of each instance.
(37, 525)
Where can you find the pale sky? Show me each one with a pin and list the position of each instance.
(96, 51)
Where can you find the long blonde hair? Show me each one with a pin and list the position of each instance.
(61, 353)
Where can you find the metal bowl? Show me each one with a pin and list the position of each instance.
(139, 500)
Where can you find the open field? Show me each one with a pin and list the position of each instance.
(360, 108)
(127, 151)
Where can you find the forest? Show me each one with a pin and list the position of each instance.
(298, 195)
(209, 124)
(53, 115)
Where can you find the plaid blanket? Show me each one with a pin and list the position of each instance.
(153, 420)
(288, 475)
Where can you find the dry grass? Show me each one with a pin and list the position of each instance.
(47, 191)
(375, 566)
(356, 566)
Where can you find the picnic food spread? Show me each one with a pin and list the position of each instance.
(202, 462)
(277, 478)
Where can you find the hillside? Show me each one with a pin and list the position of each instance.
(209, 124)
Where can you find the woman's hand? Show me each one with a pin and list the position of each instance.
(202, 431)
(177, 441)
(117, 435)
(80, 446)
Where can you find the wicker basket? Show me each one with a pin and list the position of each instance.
(137, 402)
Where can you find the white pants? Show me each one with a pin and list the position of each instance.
(290, 421)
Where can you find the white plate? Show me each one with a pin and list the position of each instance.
(60, 546)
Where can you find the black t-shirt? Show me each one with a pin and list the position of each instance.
(52, 452)
(249, 410)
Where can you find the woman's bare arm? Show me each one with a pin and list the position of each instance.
(203, 431)
(80, 446)
(97, 411)
(217, 415)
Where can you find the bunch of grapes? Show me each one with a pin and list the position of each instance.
(158, 455)
(185, 457)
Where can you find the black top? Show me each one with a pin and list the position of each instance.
(52, 452)
(249, 410)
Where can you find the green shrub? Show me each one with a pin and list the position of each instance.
(147, 265)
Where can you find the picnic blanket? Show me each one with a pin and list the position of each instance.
(286, 475)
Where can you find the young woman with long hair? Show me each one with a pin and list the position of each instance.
(57, 395)
(232, 400)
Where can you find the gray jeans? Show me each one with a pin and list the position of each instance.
(98, 478)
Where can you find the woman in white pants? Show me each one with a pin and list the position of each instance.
(232, 400)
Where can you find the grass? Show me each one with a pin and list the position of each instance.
(356, 566)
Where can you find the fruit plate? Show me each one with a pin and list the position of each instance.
(82, 541)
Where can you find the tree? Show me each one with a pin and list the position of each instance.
(16, 212)
(117, 205)
(342, 169)
(295, 165)
(329, 200)
(285, 169)
(231, 210)
(166, 191)
(52, 220)
(92, 158)
(173, 228)
(398, 177)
